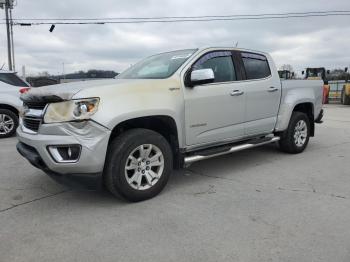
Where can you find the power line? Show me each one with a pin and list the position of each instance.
(178, 20)
(184, 17)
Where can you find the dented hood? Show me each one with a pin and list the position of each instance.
(63, 91)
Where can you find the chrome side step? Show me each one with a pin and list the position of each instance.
(198, 157)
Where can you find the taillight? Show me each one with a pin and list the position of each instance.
(24, 90)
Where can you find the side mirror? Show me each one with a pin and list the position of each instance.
(302, 72)
(202, 76)
(346, 69)
(328, 72)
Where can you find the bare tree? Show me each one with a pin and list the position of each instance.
(287, 67)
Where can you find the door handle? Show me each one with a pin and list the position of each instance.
(272, 89)
(236, 93)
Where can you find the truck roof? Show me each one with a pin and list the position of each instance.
(232, 48)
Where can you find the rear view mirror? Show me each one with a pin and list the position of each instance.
(202, 76)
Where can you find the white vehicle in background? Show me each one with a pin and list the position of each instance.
(10, 86)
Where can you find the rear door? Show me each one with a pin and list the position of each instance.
(263, 93)
(215, 112)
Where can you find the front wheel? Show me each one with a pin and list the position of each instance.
(8, 123)
(138, 165)
(295, 139)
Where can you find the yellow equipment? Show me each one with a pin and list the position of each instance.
(318, 73)
(345, 94)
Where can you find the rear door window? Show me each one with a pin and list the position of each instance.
(12, 79)
(256, 66)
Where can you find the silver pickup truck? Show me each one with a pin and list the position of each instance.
(164, 113)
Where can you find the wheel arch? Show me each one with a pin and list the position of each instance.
(308, 109)
(162, 124)
(9, 107)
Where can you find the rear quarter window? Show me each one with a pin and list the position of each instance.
(12, 79)
(256, 66)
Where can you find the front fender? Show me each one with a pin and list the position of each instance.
(147, 113)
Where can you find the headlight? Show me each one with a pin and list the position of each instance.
(72, 110)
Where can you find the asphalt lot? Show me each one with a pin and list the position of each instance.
(255, 205)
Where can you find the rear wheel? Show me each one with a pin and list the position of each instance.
(8, 123)
(138, 165)
(295, 139)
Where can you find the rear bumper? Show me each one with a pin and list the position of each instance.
(87, 181)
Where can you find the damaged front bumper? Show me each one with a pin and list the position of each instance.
(92, 139)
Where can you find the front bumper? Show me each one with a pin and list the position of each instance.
(87, 171)
(84, 181)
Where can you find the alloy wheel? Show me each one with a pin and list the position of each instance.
(300, 133)
(144, 167)
(7, 124)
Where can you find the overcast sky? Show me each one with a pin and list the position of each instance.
(301, 42)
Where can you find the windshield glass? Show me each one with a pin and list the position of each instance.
(158, 66)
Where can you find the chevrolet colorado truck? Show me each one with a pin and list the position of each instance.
(164, 113)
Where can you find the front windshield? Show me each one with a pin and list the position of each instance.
(158, 66)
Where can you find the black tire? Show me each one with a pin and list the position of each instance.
(287, 142)
(9, 115)
(345, 100)
(120, 149)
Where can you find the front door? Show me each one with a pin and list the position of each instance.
(215, 112)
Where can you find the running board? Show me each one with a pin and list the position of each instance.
(198, 157)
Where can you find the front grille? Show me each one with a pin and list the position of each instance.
(32, 123)
(35, 105)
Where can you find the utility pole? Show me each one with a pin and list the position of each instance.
(8, 5)
(9, 52)
(12, 43)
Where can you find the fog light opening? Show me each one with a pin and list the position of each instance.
(66, 153)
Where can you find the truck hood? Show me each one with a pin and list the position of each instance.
(98, 88)
(63, 91)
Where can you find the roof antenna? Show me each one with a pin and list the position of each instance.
(236, 44)
(2, 66)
